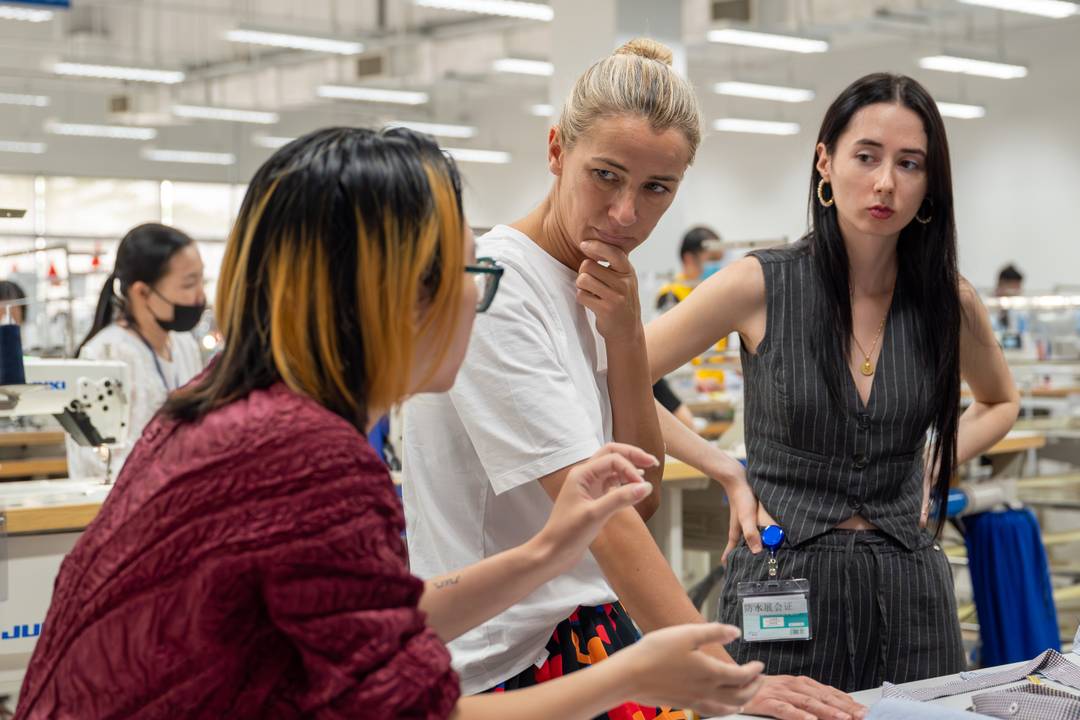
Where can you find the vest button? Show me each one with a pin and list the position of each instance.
(860, 461)
(854, 503)
(864, 421)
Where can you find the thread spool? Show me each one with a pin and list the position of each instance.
(12, 371)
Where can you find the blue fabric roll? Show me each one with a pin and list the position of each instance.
(1010, 579)
(12, 371)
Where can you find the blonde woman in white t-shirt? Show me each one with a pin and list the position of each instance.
(150, 303)
(555, 369)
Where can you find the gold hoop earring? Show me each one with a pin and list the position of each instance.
(927, 220)
(821, 195)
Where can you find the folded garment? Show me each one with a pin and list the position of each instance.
(1051, 664)
(1029, 702)
(897, 709)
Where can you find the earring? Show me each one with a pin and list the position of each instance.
(925, 221)
(821, 195)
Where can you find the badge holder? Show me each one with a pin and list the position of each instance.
(775, 609)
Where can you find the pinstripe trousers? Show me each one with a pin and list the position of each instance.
(878, 612)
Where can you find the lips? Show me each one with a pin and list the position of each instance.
(612, 239)
(881, 212)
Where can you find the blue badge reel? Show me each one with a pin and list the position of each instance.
(775, 609)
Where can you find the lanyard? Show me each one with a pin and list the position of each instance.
(157, 363)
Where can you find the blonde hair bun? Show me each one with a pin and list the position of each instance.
(648, 49)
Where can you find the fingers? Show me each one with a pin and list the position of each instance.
(735, 679)
(802, 697)
(778, 709)
(631, 452)
(606, 275)
(705, 633)
(592, 286)
(622, 497)
(750, 532)
(603, 252)
(607, 467)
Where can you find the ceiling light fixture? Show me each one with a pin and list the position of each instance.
(26, 100)
(17, 146)
(295, 42)
(478, 156)
(969, 66)
(436, 129)
(764, 92)
(115, 132)
(366, 94)
(521, 66)
(1056, 9)
(763, 127)
(119, 72)
(958, 110)
(506, 8)
(769, 41)
(202, 112)
(272, 142)
(189, 156)
(12, 12)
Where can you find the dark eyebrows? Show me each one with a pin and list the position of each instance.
(876, 144)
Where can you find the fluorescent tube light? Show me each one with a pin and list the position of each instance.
(366, 94)
(273, 142)
(189, 156)
(200, 112)
(1056, 9)
(119, 72)
(764, 92)
(116, 132)
(295, 42)
(26, 100)
(770, 41)
(542, 110)
(506, 8)
(764, 127)
(437, 129)
(958, 110)
(478, 156)
(12, 12)
(968, 66)
(524, 67)
(16, 146)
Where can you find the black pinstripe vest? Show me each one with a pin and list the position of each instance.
(811, 465)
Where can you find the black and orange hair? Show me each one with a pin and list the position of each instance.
(348, 245)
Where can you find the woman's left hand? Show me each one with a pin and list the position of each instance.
(610, 292)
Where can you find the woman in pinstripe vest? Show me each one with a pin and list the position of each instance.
(854, 343)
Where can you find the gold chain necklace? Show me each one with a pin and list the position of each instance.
(867, 368)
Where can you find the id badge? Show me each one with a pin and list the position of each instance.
(775, 609)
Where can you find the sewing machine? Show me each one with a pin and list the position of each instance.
(42, 519)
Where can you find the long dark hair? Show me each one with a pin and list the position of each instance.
(341, 234)
(143, 256)
(927, 268)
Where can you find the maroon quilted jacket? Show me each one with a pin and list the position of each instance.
(249, 565)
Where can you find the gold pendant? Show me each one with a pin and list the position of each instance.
(867, 368)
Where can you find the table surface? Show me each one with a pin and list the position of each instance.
(956, 702)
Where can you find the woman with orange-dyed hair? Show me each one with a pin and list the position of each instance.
(249, 562)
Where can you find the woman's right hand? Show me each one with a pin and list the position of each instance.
(670, 670)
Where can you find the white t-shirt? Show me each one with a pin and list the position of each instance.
(530, 399)
(146, 395)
